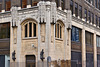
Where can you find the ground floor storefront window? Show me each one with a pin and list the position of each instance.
(76, 59)
(98, 60)
(89, 60)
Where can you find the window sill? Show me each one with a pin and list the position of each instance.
(59, 39)
(26, 38)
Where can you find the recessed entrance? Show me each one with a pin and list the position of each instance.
(30, 61)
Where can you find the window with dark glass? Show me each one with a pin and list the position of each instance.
(8, 5)
(76, 34)
(76, 9)
(58, 30)
(92, 18)
(71, 6)
(99, 21)
(92, 2)
(4, 30)
(56, 2)
(0, 5)
(96, 4)
(23, 3)
(34, 30)
(30, 29)
(89, 16)
(26, 30)
(96, 20)
(34, 2)
(85, 13)
(98, 41)
(80, 11)
(89, 38)
(62, 4)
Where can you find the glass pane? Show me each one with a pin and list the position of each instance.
(34, 30)
(8, 5)
(77, 35)
(5, 30)
(73, 34)
(26, 30)
(24, 3)
(30, 29)
(34, 2)
(58, 30)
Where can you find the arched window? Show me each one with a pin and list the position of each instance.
(58, 30)
(30, 29)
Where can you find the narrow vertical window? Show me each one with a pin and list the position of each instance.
(96, 20)
(92, 18)
(8, 5)
(96, 3)
(58, 30)
(23, 3)
(26, 30)
(76, 9)
(99, 21)
(34, 2)
(34, 30)
(30, 29)
(57, 3)
(80, 11)
(92, 2)
(89, 16)
(62, 4)
(0, 5)
(85, 15)
(55, 30)
(71, 6)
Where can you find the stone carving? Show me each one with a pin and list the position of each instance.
(14, 15)
(42, 11)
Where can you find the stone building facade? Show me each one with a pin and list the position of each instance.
(68, 32)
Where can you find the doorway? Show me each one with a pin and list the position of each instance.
(30, 61)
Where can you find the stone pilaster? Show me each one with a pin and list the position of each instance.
(83, 49)
(95, 50)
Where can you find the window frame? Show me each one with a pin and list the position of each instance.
(30, 31)
(76, 9)
(58, 30)
(71, 6)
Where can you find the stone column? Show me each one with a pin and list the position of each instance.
(83, 49)
(95, 50)
(59, 4)
(3, 5)
(29, 3)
